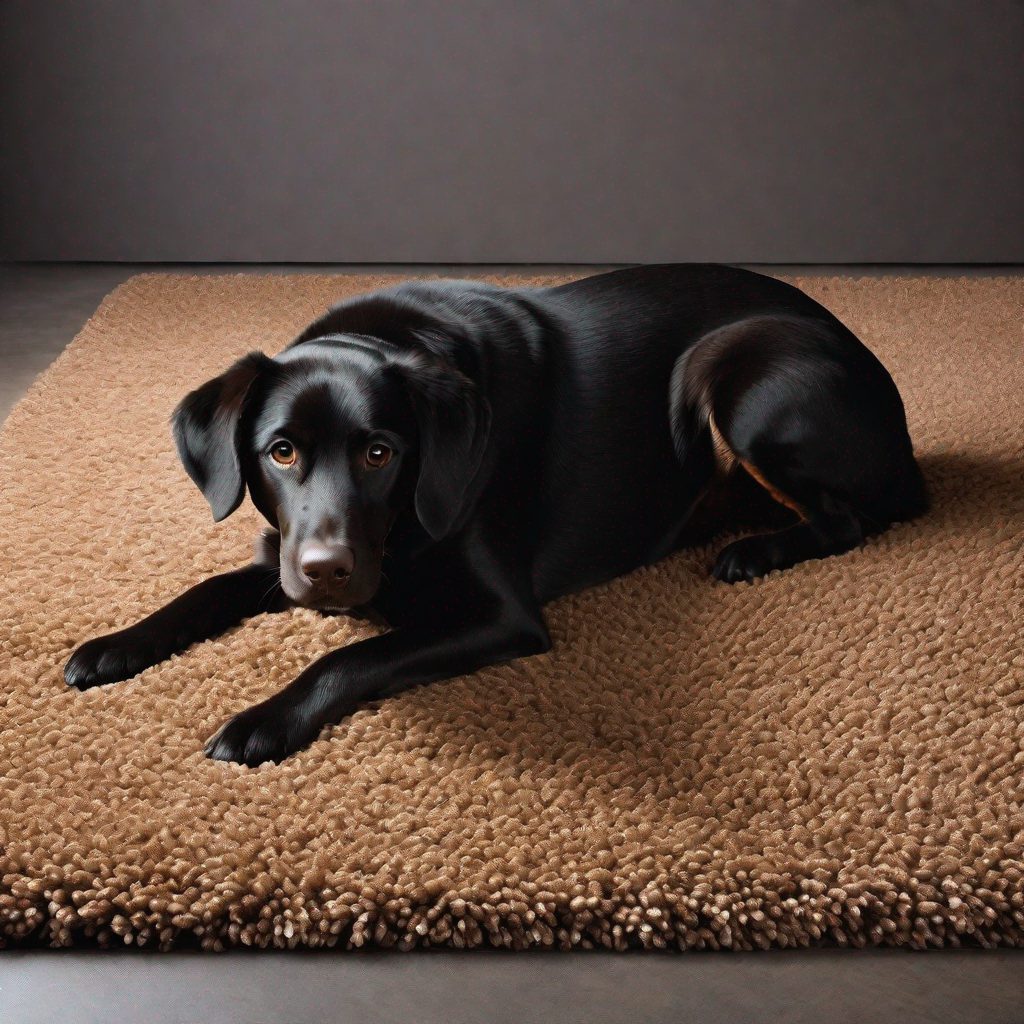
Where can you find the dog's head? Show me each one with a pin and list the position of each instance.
(334, 439)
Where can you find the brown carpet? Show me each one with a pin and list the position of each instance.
(833, 754)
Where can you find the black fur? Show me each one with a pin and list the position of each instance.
(463, 454)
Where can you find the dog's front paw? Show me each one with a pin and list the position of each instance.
(109, 659)
(265, 732)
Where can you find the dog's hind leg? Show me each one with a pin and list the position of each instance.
(816, 420)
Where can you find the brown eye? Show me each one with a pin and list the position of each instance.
(283, 453)
(378, 455)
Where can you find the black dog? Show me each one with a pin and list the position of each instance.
(455, 455)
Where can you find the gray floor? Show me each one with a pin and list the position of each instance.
(870, 987)
(41, 309)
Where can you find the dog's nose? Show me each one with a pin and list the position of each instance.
(326, 563)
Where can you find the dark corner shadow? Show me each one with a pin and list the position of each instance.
(973, 489)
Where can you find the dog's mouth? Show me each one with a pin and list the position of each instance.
(329, 609)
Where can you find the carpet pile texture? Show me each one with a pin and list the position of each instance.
(833, 754)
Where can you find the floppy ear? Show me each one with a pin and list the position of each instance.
(205, 426)
(454, 423)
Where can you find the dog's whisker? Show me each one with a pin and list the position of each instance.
(275, 585)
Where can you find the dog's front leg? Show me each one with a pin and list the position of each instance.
(382, 666)
(206, 610)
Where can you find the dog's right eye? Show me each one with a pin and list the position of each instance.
(283, 453)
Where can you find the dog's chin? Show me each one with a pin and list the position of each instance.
(330, 604)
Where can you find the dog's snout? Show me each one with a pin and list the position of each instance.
(326, 563)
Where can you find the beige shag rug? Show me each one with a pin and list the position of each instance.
(833, 754)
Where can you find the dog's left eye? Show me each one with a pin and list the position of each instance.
(283, 453)
(377, 455)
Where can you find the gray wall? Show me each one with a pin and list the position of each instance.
(512, 130)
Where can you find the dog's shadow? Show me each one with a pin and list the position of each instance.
(972, 491)
(969, 493)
